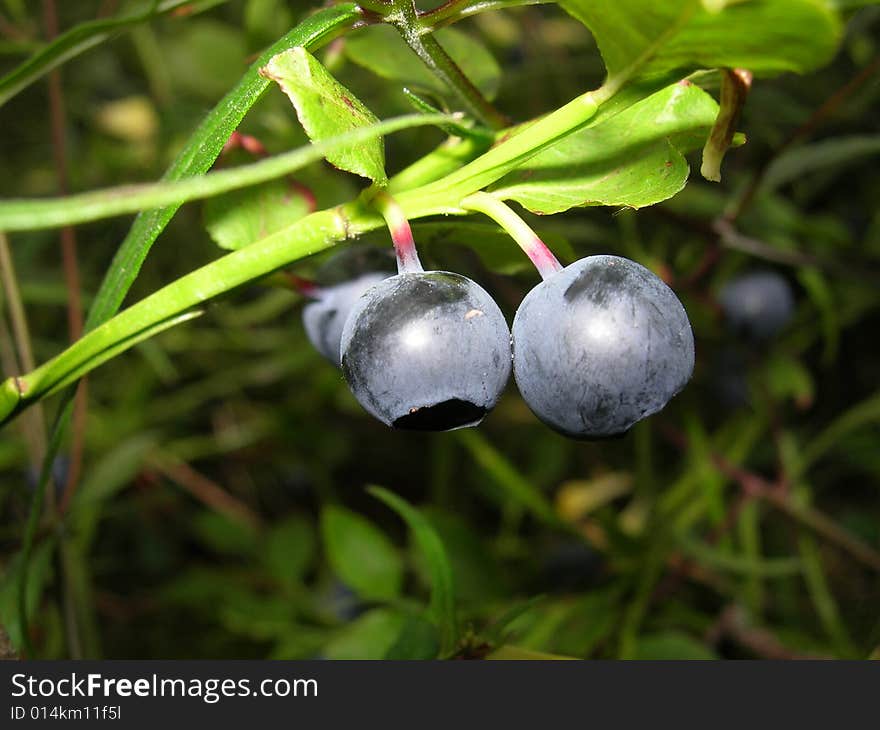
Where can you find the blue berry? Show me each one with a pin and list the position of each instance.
(758, 304)
(426, 351)
(600, 345)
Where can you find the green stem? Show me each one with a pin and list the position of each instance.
(443, 197)
(455, 10)
(24, 215)
(426, 47)
(529, 241)
(309, 235)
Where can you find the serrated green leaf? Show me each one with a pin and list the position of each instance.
(764, 36)
(434, 554)
(633, 159)
(326, 109)
(360, 554)
(380, 49)
(241, 217)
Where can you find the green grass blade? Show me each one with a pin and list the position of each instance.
(431, 547)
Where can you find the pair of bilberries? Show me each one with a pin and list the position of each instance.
(595, 347)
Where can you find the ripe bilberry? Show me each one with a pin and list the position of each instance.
(600, 345)
(426, 351)
(758, 304)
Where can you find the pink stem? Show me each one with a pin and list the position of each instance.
(401, 234)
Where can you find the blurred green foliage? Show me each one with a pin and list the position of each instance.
(223, 508)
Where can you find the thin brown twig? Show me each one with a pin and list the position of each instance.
(756, 486)
(33, 426)
(206, 491)
(733, 624)
(58, 125)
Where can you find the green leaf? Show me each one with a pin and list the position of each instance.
(370, 636)
(40, 568)
(360, 554)
(289, 550)
(434, 554)
(671, 645)
(327, 109)
(632, 159)
(417, 639)
(244, 216)
(504, 474)
(764, 36)
(381, 49)
(223, 535)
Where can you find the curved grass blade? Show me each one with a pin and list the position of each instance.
(28, 215)
(307, 235)
(431, 547)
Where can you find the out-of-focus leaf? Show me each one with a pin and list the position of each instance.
(326, 109)
(210, 55)
(508, 479)
(671, 645)
(764, 36)
(788, 378)
(835, 153)
(633, 159)
(859, 416)
(40, 567)
(431, 547)
(360, 554)
(576, 499)
(479, 575)
(81, 38)
(289, 549)
(241, 217)
(821, 294)
(380, 49)
(223, 535)
(418, 639)
(371, 636)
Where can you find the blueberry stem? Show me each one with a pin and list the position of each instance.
(401, 233)
(520, 231)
